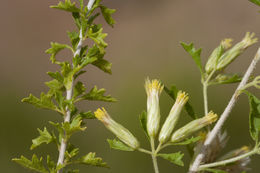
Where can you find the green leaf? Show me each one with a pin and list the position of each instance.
(71, 152)
(87, 115)
(188, 141)
(44, 102)
(56, 76)
(103, 65)
(143, 121)
(95, 32)
(91, 159)
(195, 54)
(257, 2)
(254, 116)
(226, 79)
(51, 165)
(54, 84)
(66, 6)
(172, 92)
(175, 158)
(107, 14)
(45, 137)
(55, 49)
(79, 89)
(97, 95)
(118, 145)
(215, 170)
(68, 73)
(74, 39)
(74, 126)
(35, 164)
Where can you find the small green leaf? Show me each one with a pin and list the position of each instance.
(172, 92)
(91, 159)
(87, 115)
(45, 137)
(79, 89)
(51, 165)
(257, 2)
(74, 39)
(44, 102)
(107, 14)
(143, 121)
(226, 79)
(95, 32)
(215, 170)
(56, 76)
(54, 84)
(55, 49)
(175, 158)
(118, 145)
(195, 54)
(103, 65)
(74, 126)
(254, 116)
(71, 152)
(66, 6)
(35, 164)
(188, 141)
(97, 95)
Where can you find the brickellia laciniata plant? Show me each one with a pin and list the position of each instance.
(203, 135)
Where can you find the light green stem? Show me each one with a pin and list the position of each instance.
(225, 162)
(155, 165)
(205, 97)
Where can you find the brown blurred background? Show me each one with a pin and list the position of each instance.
(144, 42)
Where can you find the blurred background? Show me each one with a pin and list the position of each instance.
(144, 42)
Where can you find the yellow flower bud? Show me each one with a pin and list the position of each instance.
(153, 89)
(121, 132)
(193, 126)
(173, 117)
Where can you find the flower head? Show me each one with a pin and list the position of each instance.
(121, 132)
(173, 116)
(153, 89)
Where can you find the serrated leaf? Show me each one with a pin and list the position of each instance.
(71, 152)
(215, 170)
(175, 158)
(56, 76)
(87, 115)
(35, 164)
(118, 145)
(97, 95)
(257, 2)
(74, 126)
(55, 49)
(103, 65)
(195, 54)
(44, 102)
(254, 116)
(172, 92)
(79, 89)
(74, 39)
(91, 159)
(95, 32)
(54, 84)
(67, 5)
(107, 14)
(188, 141)
(143, 121)
(45, 137)
(226, 79)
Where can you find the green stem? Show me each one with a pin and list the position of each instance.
(205, 97)
(155, 165)
(225, 162)
(145, 151)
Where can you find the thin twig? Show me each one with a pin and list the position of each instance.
(231, 160)
(217, 128)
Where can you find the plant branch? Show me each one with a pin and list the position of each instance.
(205, 97)
(231, 160)
(194, 167)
